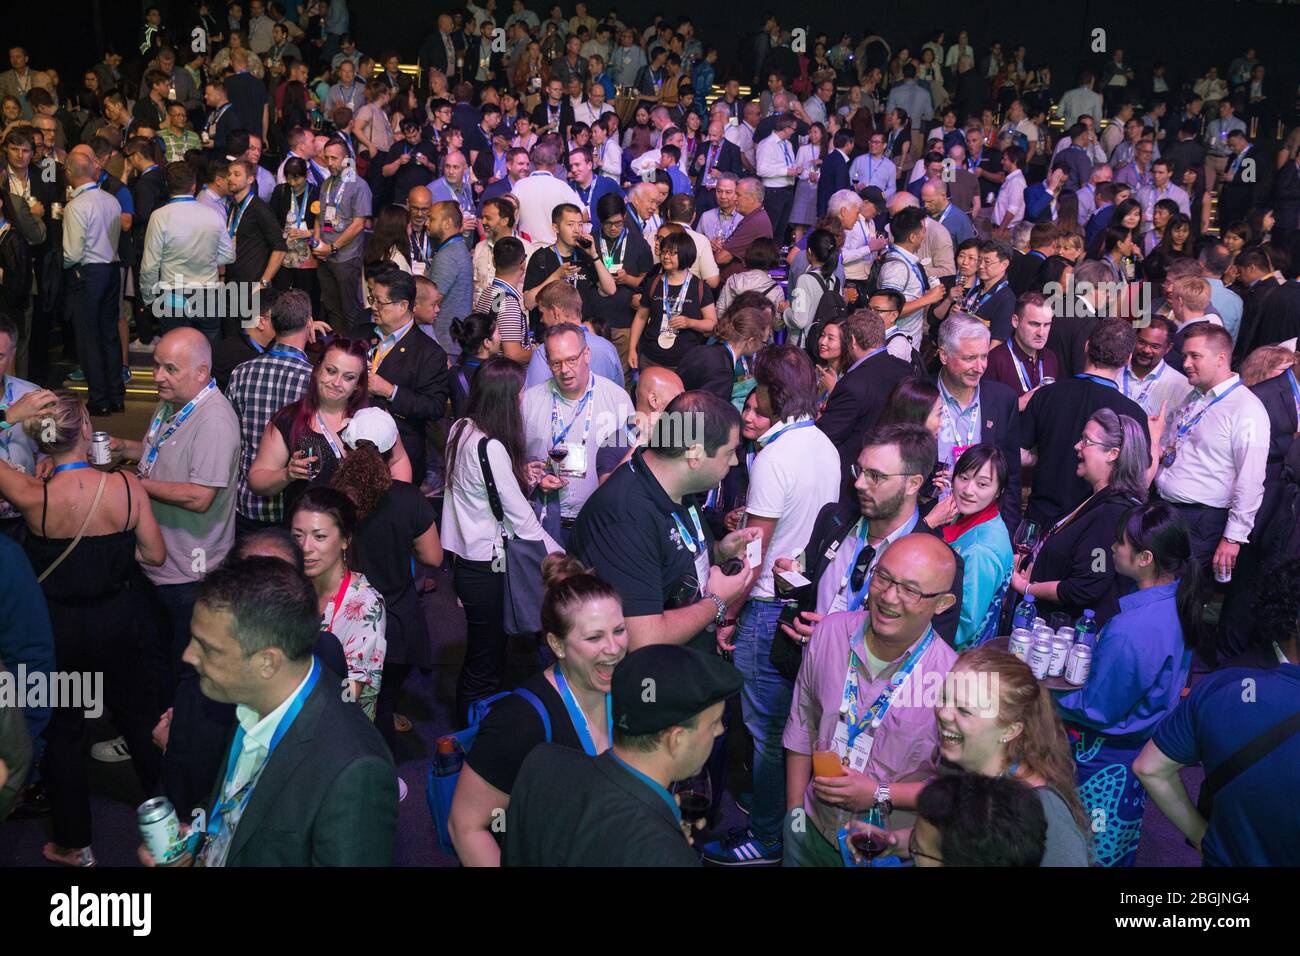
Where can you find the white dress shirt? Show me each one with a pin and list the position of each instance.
(183, 245)
(1011, 199)
(774, 157)
(742, 134)
(1162, 386)
(538, 194)
(1220, 461)
(857, 255)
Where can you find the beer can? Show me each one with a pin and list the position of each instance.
(160, 828)
(1060, 652)
(1021, 638)
(1040, 622)
(100, 453)
(1079, 664)
(1223, 577)
(1040, 657)
(1066, 632)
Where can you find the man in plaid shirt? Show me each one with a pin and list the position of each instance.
(261, 387)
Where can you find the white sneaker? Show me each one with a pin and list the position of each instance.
(111, 751)
(401, 790)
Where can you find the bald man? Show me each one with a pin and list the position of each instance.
(934, 197)
(92, 226)
(453, 186)
(419, 243)
(188, 464)
(655, 388)
(892, 640)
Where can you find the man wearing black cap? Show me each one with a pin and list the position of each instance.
(568, 809)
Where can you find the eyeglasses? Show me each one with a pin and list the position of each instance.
(1085, 441)
(881, 582)
(570, 362)
(913, 852)
(871, 476)
(383, 301)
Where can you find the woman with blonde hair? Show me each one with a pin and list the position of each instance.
(86, 531)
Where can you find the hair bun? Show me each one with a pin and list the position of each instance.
(558, 568)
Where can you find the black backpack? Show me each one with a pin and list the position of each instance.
(830, 306)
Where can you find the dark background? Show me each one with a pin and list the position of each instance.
(1187, 35)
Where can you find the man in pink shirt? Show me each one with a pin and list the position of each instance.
(842, 701)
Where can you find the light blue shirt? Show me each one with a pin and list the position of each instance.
(914, 98)
(1226, 304)
(604, 362)
(183, 245)
(867, 170)
(16, 446)
(336, 21)
(92, 225)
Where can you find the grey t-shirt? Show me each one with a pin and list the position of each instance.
(351, 201)
(1065, 844)
(203, 451)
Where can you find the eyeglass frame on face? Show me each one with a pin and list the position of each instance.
(857, 471)
(910, 595)
(1085, 441)
(571, 362)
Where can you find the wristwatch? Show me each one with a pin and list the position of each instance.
(720, 618)
(883, 802)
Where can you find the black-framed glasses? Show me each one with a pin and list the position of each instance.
(873, 477)
(882, 580)
(913, 852)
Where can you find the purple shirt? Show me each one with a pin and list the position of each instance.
(1002, 368)
(906, 747)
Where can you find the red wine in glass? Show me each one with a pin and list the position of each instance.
(694, 805)
(868, 845)
(558, 453)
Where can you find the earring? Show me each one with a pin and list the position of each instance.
(1004, 739)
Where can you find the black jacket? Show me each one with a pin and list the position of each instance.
(1248, 336)
(857, 401)
(708, 368)
(834, 177)
(1279, 401)
(418, 367)
(1000, 426)
(835, 522)
(327, 795)
(541, 118)
(282, 197)
(728, 161)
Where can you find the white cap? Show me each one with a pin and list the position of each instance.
(373, 425)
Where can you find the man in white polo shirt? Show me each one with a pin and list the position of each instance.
(774, 163)
(540, 192)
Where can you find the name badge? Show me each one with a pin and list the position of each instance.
(331, 214)
(857, 756)
(575, 462)
(702, 567)
(417, 268)
(958, 451)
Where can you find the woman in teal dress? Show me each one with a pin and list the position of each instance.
(974, 528)
(1139, 669)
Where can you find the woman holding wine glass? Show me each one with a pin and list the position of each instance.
(582, 618)
(1071, 570)
(301, 444)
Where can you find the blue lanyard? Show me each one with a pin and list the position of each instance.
(1188, 426)
(578, 718)
(175, 199)
(555, 415)
(1295, 391)
(1109, 383)
(874, 715)
(154, 444)
(420, 250)
(283, 351)
(653, 785)
(988, 295)
(788, 428)
(1150, 382)
(252, 344)
(299, 210)
(71, 466)
(1021, 371)
(855, 598)
(970, 412)
(692, 544)
(446, 242)
(914, 266)
(241, 798)
(236, 215)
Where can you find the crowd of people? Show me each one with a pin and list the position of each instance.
(758, 395)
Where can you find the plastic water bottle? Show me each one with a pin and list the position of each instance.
(1085, 628)
(1025, 613)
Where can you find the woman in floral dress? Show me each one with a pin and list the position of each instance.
(323, 524)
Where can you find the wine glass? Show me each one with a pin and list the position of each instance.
(866, 842)
(1027, 538)
(695, 797)
(557, 454)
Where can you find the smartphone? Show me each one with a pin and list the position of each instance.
(788, 581)
(826, 763)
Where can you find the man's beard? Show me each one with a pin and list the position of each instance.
(885, 509)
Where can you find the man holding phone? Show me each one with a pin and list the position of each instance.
(885, 742)
(569, 260)
(794, 475)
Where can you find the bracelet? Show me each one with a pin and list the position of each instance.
(721, 617)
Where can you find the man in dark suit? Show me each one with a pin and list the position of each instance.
(306, 779)
(718, 155)
(438, 52)
(862, 391)
(408, 373)
(1243, 179)
(973, 411)
(1286, 199)
(834, 174)
(1256, 273)
(247, 96)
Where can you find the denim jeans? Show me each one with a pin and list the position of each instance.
(765, 703)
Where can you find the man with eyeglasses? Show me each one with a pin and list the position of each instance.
(859, 694)
(567, 419)
(849, 538)
(408, 373)
(560, 303)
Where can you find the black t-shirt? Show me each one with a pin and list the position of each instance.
(546, 260)
(996, 310)
(513, 728)
(634, 258)
(1053, 422)
(689, 303)
(627, 534)
(413, 173)
(258, 235)
(310, 440)
(381, 550)
(230, 353)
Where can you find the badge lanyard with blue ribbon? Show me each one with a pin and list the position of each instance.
(873, 716)
(979, 303)
(615, 254)
(557, 437)
(788, 428)
(328, 434)
(1185, 428)
(854, 599)
(71, 466)
(1295, 392)
(1023, 373)
(153, 441)
(283, 351)
(239, 799)
(578, 718)
(1150, 383)
(299, 209)
(970, 414)
(1109, 383)
(236, 215)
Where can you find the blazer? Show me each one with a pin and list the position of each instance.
(433, 55)
(327, 795)
(857, 401)
(834, 177)
(709, 369)
(1279, 402)
(539, 116)
(834, 524)
(418, 367)
(728, 162)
